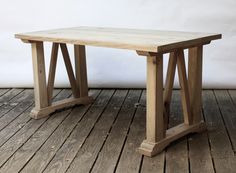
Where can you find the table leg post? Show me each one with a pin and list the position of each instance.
(195, 82)
(154, 119)
(81, 69)
(40, 87)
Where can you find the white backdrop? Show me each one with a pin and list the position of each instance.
(112, 67)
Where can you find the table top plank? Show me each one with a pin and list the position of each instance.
(133, 39)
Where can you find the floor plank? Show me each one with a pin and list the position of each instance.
(18, 123)
(177, 152)
(104, 136)
(61, 161)
(87, 124)
(110, 152)
(200, 161)
(9, 100)
(150, 165)
(130, 160)
(62, 123)
(3, 91)
(221, 149)
(228, 110)
(22, 101)
(15, 142)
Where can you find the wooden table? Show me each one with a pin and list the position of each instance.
(150, 43)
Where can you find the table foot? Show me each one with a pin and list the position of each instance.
(151, 149)
(66, 103)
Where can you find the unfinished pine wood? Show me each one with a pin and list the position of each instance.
(52, 71)
(155, 131)
(170, 76)
(81, 70)
(40, 87)
(133, 39)
(184, 87)
(65, 103)
(69, 70)
(195, 82)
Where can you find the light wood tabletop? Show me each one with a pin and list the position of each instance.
(133, 39)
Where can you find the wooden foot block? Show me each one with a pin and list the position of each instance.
(151, 149)
(66, 103)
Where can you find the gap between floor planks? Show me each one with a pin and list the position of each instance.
(217, 152)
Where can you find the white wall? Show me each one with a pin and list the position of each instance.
(113, 67)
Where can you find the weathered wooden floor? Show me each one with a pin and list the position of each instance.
(103, 137)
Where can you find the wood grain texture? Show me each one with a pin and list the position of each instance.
(15, 142)
(222, 152)
(9, 100)
(184, 87)
(66, 154)
(133, 39)
(40, 87)
(20, 121)
(81, 70)
(54, 142)
(24, 100)
(112, 148)
(69, 70)
(44, 151)
(170, 76)
(228, 110)
(177, 152)
(80, 133)
(154, 117)
(130, 159)
(52, 71)
(195, 82)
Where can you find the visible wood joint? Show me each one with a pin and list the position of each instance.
(151, 149)
(144, 53)
(59, 105)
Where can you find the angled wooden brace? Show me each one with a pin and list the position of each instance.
(52, 71)
(169, 86)
(184, 87)
(69, 69)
